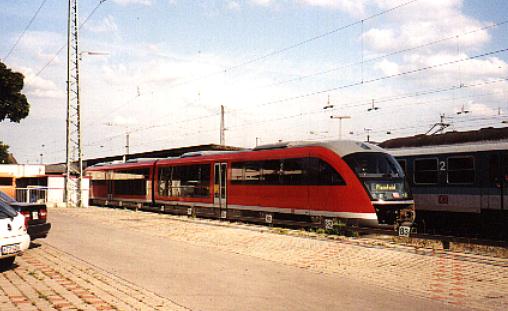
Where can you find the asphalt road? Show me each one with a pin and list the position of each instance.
(201, 278)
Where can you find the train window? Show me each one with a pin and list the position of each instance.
(460, 170)
(237, 170)
(425, 171)
(505, 169)
(293, 172)
(130, 182)
(185, 181)
(97, 178)
(164, 180)
(245, 172)
(272, 171)
(5, 181)
(403, 165)
(321, 173)
(494, 168)
(373, 164)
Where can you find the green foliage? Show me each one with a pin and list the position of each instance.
(4, 153)
(13, 104)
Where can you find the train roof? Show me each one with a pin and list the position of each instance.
(450, 138)
(456, 148)
(340, 147)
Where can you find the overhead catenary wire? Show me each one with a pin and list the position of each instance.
(381, 78)
(65, 44)
(362, 62)
(25, 30)
(394, 53)
(356, 104)
(292, 46)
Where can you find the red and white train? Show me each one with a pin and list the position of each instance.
(303, 183)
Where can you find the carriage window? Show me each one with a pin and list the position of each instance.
(97, 178)
(130, 182)
(425, 171)
(461, 170)
(5, 181)
(505, 168)
(293, 172)
(321, 173)
(185, 181)
(494, 168)
(272, 170)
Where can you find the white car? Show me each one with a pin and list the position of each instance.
(13, 236)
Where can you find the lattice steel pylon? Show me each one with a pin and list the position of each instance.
(74, 163)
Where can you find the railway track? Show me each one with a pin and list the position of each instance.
(416, 242)
(445, 239)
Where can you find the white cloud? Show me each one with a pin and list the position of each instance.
(381, 40)
(262, 2)
(424, 22)
(387, 67)
(128, 2)
(352, 7)
(233, 5)
(480, 109)
(36, 86)
(107, 24)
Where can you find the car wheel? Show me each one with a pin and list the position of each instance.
(6, 263)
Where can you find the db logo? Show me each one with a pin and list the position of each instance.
(443, 199)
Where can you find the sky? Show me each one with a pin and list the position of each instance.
(164, 68)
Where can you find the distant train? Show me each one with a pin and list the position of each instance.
(459, 180)
(308, 184)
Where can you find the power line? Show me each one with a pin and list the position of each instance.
(293, 46)
(63, 46)
(497, 24)
(26, 28)
(257, 59)
(381, 78)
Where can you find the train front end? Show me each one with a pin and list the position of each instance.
(384, 181)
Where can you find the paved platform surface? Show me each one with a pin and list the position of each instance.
(47, 278)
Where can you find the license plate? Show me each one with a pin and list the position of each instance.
(35, 215)
(10, 249)
(404, 231)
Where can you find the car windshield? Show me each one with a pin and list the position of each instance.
(374, 164)
(6, 211)
(7, 199)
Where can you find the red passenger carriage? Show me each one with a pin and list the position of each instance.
(315, 184)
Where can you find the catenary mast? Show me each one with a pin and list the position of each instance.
(74, 164)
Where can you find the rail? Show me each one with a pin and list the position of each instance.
(444, 239)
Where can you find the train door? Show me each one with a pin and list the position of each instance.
(219, 188)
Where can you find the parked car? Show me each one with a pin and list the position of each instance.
(35, 216)
(13, 235)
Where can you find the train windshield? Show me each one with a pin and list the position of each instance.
(381, 174)
(374, 164)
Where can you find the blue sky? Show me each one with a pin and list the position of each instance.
(170, 64)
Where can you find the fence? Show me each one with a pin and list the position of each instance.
(32, 195)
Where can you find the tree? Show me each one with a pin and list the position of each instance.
(4, 153)
(13, 104)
